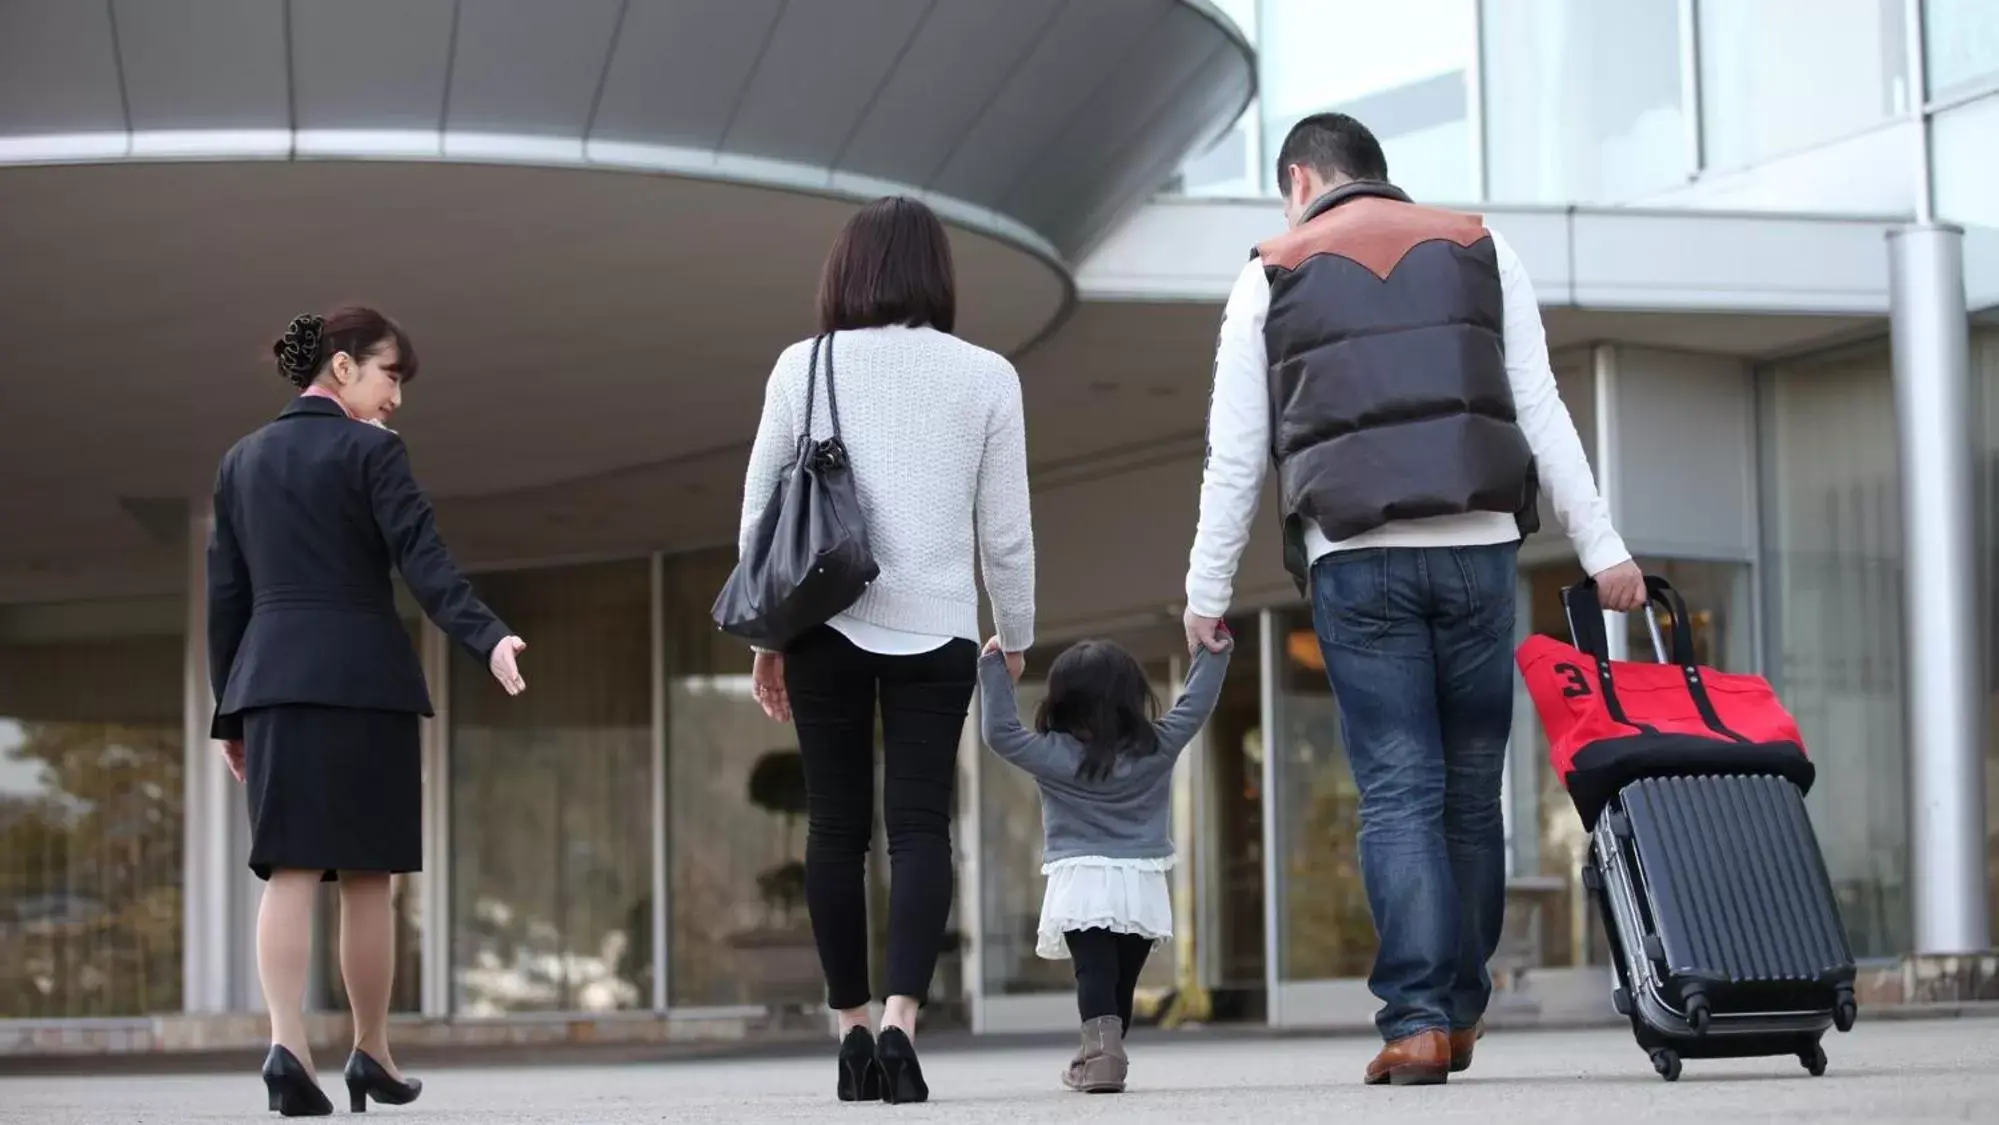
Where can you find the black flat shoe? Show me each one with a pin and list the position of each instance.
(293, 1092)
(902, 1075)
(367, 1078)
(860, 1077)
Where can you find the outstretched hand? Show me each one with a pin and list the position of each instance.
(505, 664)
(1016, 663)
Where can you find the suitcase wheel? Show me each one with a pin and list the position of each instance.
(1845, 1012)
(1667, 1063)
(1814, 1060)
(1698, 1015)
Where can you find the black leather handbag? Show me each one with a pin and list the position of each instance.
(808, 559)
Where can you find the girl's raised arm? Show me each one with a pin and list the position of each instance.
(999, 722)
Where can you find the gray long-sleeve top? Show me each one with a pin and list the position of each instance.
(1128, 815)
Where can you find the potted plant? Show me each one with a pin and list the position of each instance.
(779, 962)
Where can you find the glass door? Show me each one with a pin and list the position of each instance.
(1229, 838)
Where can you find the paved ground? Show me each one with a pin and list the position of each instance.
(1941, 1070)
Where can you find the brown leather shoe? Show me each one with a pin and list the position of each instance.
(1463, 1039)
(1422, 1059)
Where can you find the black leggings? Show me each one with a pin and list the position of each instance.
(924, 699)
(1107, 968)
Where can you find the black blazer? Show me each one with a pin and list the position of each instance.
(311, 511)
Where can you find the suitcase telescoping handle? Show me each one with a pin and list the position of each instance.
(1585, 613)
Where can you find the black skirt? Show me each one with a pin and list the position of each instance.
(333, 789)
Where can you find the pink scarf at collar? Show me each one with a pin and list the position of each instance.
(317, 391)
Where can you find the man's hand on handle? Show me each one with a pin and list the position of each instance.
(1016, 662)
(505, 664)
(232, 756)
(1621, 588)
(1205, 632)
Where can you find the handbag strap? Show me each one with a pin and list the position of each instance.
(1585, 613)
(812, 386)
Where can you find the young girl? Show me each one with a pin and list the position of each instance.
(1105, 771)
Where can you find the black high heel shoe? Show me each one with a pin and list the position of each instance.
(293, 1092)
(902, 1075)
(367, 1078)
(860, 1077)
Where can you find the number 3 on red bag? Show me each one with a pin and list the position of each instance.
(1575, 682)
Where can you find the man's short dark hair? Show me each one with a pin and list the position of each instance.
(1331, 144)
(891, 264)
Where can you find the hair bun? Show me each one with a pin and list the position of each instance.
(298, 349)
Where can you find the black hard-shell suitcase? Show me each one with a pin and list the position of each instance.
(1723, 926)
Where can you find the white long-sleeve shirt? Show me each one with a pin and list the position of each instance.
(1239, 449)
(934, 433)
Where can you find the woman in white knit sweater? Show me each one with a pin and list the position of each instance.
(934, 433)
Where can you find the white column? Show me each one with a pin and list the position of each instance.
(204, 839)
(1603, 364)
(1930, 333)
(219, 894)
(1270, 650)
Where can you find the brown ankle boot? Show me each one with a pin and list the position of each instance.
(1100, 1067)
(1463, 1039)
(1422, 1059)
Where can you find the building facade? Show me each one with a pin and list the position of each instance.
(602, 219)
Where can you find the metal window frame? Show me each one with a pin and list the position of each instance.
(1475, 124)
(1694, 131)
(662, 807)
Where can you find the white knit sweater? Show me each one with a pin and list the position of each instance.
(934, 432)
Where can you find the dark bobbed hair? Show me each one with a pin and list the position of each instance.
(1098, 695)
(891, 264)
(310, 342)
(1331, 144)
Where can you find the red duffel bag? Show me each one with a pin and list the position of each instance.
(1612, 722)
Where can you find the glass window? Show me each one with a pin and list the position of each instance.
(736, 790)
(1010, 842)
(1230, 927)
(1232, 167)
(1985, 384)
(1960, 44)
(1832, 556)
(1780, 76)
(1399, 68)
(406, 992)
(1965, 159)
(551, 799)
(1328, 930)
(91, 752)
(1574, 110)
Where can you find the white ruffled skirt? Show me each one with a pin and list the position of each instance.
(1124, 896)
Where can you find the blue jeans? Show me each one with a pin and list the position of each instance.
(1419, 647)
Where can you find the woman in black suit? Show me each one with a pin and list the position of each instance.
(318, 687)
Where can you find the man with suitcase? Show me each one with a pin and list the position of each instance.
(1390, 359)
